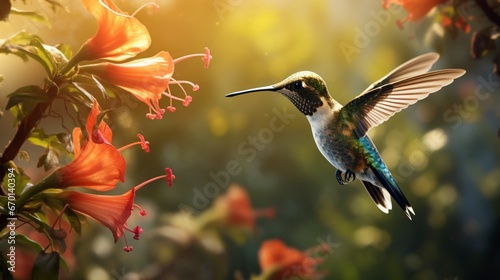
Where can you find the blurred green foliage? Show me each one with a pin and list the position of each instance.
(443, 151)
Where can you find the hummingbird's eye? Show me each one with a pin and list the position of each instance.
(297, 85)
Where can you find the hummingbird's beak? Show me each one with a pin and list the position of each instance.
(266, 88)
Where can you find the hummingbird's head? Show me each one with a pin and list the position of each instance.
(305, 89)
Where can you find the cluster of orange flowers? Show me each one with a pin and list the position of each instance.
(276, 260)
(119, 37)
(97, 164)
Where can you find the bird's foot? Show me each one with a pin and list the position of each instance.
(345, 178)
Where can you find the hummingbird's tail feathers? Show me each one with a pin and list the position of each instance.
(380, 196)
(392, 187)
(413, 67)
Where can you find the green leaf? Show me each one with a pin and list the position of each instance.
(27, 45)
(100, 87)
(32, 15)
(43, 56)
(65, 141)
(64, 264)
(17, 176)
(65, 49)
(52, 159)
(74, 220)
(36, 247)
(21, 38)
(46, 266)
(81, 95)
(27, 242)
(18, 114)
(58, 57)
(48, 160)
(39, 138)
(32, 94)
(16, 43)
(41, 160)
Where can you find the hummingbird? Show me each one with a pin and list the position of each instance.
(340, 131)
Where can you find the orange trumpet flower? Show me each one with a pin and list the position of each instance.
(238, 211)
(279, 261)
(148, 79)
(119, 36)
(97, 165)
(111, 211)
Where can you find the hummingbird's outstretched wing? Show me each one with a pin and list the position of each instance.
(415, 66)
(402, 87)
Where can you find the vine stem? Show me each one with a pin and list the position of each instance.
(24, 130)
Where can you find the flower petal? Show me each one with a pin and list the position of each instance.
(236, 210)
(145, 78)
(283, 261)
(96, 166)
(111, 211)
(118, 37)
(103, 128)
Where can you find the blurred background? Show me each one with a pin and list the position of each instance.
(443, 151)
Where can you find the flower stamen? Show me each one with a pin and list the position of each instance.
(142, 212)
(169, 177)
(158, 113)
(206, 57)
(195, 86)
(187, 98)
(137, 232)
(153, 4)
(127, 247)
(144, 144)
